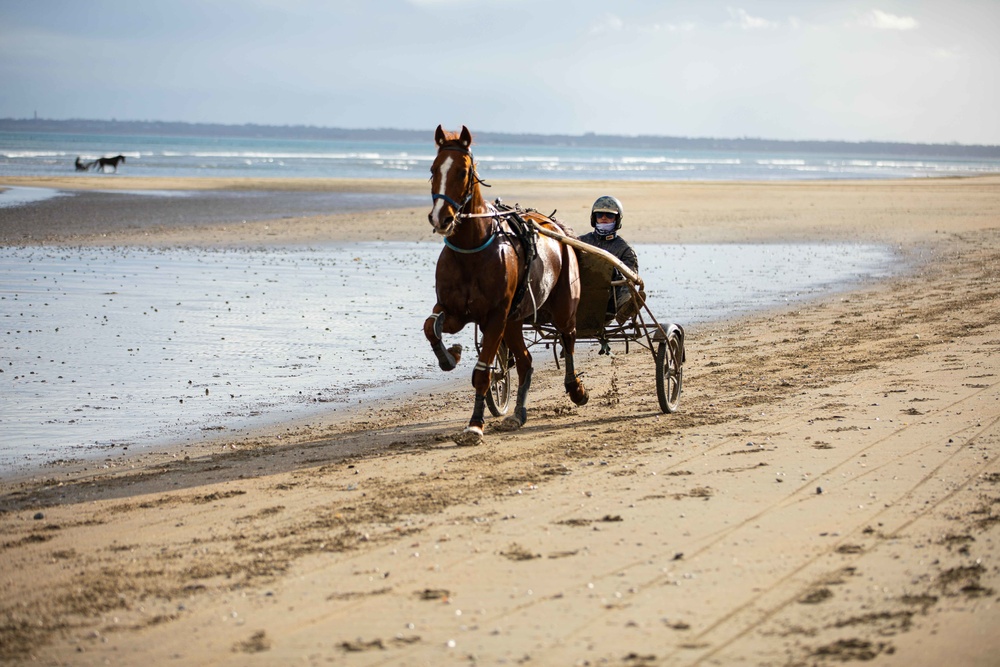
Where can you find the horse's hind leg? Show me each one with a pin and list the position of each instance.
(567, 298)
(574, 385)
(433, 329)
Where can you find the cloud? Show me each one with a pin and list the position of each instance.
(686, 26)
(880, 20)
(747, 22)
(953, 53)
(608, 23)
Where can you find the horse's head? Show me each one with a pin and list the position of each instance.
(454, 183)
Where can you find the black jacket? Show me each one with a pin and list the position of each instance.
(616, 245)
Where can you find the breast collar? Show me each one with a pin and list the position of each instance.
(494, 230)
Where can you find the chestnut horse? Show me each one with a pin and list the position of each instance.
(480, 271)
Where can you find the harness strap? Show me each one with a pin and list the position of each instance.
(494, 232)
(526, 234)
(471, 251)
(534, 306)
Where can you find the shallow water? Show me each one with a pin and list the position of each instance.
(104, 348)
(12, 196)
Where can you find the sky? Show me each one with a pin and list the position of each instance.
(919, 71)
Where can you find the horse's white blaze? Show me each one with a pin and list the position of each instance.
(443, 184)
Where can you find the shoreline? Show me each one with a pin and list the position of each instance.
(902, 211)
(827, 492)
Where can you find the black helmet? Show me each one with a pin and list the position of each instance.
(607, 204)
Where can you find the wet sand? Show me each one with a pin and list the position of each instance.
(829, 491)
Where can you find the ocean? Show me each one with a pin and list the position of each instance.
(54, 154)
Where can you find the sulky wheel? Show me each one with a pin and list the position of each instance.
(669, 373)
(498, 397)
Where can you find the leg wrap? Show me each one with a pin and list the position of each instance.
(477, 411)
(522, 390)
(574, 386)
(570, 370)
(447, 358)
(520, 411)
(438, 325)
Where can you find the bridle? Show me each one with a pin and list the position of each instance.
(470, 190)
(473, 181)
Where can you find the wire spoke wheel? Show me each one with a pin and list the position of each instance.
(498, 397)
(669, 373)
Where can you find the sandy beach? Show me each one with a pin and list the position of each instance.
(828, 493)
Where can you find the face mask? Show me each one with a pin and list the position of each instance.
(606, 228)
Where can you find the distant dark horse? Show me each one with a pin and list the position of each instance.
(479, 273)
(84, 166)
(113, 162)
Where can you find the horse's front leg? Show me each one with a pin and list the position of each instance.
(492, 333)
(574, 385)
(434, 327)
(514, 337)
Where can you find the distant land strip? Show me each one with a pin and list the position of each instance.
(590, 140)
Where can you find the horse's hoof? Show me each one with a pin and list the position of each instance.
(509, 424)
(470, 437)
(448, 359)
(580, 396)
(514, 421)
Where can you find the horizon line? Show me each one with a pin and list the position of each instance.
(495, 133)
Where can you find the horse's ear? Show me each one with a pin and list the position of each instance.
(439, 136)
(465, 137)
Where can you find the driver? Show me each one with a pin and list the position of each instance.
(606, 218)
